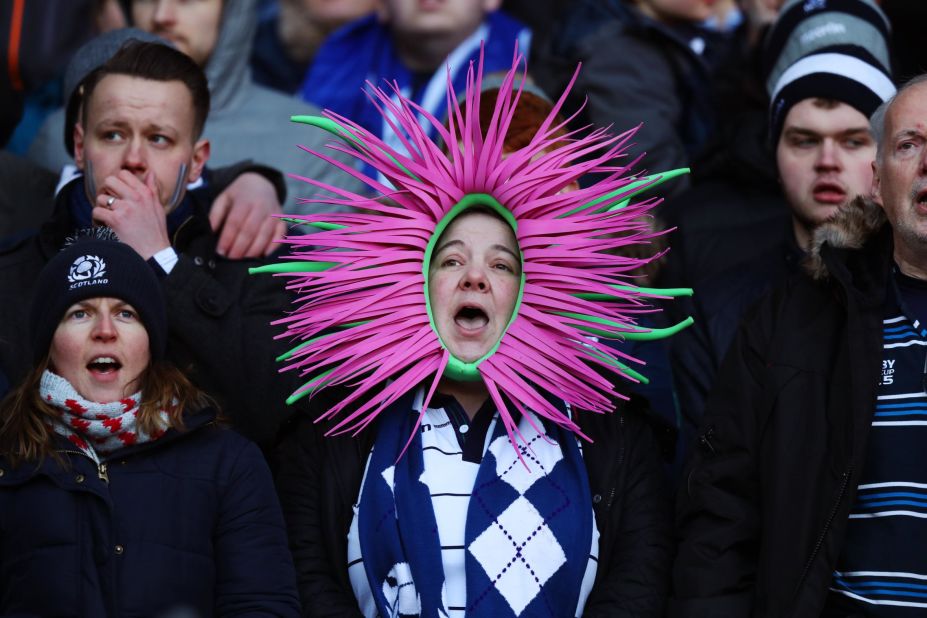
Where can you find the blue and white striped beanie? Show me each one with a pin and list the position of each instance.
(834, 49)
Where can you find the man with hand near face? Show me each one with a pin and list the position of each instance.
(138, 143)
(246, 121)
(248, 193)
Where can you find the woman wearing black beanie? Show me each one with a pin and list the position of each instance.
(119, 493)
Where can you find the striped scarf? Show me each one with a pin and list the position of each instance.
(528, 531)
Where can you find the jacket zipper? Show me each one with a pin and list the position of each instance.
(704, 440)
(827, 524)
(101, 467)
(178, 230)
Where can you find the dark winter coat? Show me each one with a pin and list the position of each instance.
(26, 192)
(718, 305)
(320, 478)
(218, 318)
(634, 70)
(189, 524)
(762, 513)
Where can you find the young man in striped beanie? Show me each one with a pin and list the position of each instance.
(826, 67)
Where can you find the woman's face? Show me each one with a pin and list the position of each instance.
(474, 278)
(101, 348)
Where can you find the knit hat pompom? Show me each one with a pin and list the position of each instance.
(93, 268)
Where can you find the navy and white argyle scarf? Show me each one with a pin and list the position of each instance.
(528, 532)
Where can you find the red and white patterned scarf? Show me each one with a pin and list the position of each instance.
(96, 427)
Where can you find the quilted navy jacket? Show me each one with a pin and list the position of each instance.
(187, 525)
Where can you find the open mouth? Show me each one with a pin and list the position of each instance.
(921, 197)
(471, 318)
(104, 365)
(829, 193)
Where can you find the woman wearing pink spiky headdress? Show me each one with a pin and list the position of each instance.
(451, 333)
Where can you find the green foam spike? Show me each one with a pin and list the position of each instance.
(292, 267)
(289, 353)
(313, 383)
(620, 205)
(634, 374)
(322, 225)
(327, 124)
(353, 324)
(638, 186)
(615, 363)
(670, 292)
(637, 334)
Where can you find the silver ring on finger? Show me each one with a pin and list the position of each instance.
(110, 201)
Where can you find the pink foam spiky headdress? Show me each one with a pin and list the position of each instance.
(363, 316)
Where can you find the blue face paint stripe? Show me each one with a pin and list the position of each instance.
(90, 187)
(178, 188)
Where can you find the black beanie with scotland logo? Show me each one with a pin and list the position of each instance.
(93, 268)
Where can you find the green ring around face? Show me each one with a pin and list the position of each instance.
(457, 369)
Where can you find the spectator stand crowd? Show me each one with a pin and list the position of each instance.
(798, 229)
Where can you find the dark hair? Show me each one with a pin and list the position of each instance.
(530, 113)
(156, 62)
(25, 419)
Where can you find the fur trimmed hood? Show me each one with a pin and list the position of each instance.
(850, 227)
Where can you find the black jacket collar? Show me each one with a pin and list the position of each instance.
(54, 233)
